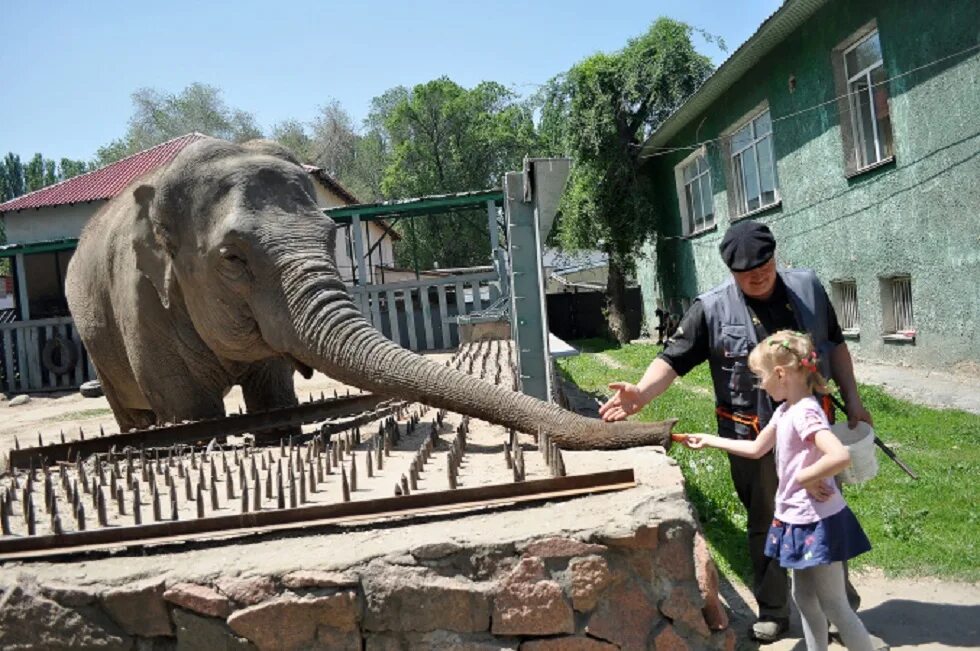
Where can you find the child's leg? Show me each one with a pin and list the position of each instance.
(807, 602)
(829, 583)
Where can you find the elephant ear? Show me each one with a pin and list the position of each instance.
(154, 250)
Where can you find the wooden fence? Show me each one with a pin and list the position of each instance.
(418, 314)
(23, 366)
(414, 314)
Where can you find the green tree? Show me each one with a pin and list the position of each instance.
(158, 117)
(445, 138)
(68, 168)
(599, 113)
(11, 177)
(34, 173)
(292, 135)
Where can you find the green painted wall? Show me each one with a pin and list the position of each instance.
(918, 216)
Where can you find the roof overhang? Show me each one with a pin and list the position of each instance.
(48, 246)
(773, 31)
(432, 205)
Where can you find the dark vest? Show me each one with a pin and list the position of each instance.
(731, 337)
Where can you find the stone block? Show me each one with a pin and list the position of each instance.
(196, 633)
(406, 599)
(303, 579)
(668, 640)
(557, 547)
(675, 556)
(724, 640)
(438, 641)
(435, 551)
(708, 584)
(528, 603)
(644, 537)
(567, 643)
(625, 616)
(589, 577)
(70, 596)
(684, 609)
(199, 598)
(29, 620)
(286, 623)
(139, 608)
(248, 591)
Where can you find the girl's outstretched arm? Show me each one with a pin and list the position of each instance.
(752, 449)
(835, 458)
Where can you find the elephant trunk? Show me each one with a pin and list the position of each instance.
(335, 339)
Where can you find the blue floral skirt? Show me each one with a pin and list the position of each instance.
(798, 546)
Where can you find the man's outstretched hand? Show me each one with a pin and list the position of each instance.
(626, 402)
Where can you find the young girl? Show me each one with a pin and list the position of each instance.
(814, 530)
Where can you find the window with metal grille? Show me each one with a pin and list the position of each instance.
(896, 303)
(844, 296)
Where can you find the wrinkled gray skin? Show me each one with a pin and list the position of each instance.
(219, 270)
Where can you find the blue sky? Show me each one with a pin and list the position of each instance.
(67, 69)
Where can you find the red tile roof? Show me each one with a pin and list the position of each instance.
(105, 182)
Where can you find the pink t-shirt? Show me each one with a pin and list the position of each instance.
(796, 426)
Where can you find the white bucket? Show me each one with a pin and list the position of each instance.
(860, 442)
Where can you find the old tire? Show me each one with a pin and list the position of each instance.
(67, 355)
(91, 389)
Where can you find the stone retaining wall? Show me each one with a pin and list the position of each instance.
(622, 570)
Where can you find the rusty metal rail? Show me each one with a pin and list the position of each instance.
(203, 430)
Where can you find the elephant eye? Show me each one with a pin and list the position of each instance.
(231, 256)
(233, 264)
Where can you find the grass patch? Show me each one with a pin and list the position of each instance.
(928, 527)
(81, 415)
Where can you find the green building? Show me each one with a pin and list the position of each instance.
(852, 128)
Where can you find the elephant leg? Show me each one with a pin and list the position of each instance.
(269, 385)
(126, 417)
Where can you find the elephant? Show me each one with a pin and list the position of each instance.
(218, 269)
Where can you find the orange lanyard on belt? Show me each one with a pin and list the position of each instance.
(751, 421)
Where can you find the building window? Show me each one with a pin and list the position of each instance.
(844, 297)
(896, 302)
(868, 140)
(753, 165)
(696, 197)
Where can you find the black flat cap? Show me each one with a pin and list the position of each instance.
(747, 245)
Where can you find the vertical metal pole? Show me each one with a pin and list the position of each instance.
(492, 222)
(415, 255)
(528, 325)
(22, 302)
(362, 280)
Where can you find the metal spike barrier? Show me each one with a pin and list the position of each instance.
(288, 481)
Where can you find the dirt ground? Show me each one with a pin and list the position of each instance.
(920, 613)
(904, 613)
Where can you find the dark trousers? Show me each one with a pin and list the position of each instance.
(755, 483)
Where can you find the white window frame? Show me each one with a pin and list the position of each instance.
(740, 200)
(857, 128)
(897, 319)
(688, 227)
(844, 298)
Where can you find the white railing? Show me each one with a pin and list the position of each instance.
(26, 367)
(419, 314)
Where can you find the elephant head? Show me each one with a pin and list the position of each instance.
(232, 234)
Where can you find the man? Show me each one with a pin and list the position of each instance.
(661, 323)
(722, 326)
